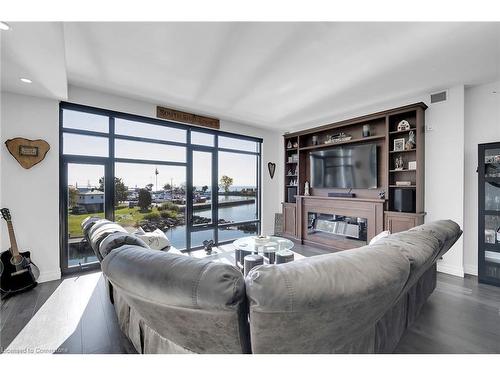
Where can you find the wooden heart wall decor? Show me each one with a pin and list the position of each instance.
(272, 169)
(26, 151)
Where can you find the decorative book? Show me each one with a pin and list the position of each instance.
(403, 183)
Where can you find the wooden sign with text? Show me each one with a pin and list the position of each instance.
(188, 118)
(27, 152)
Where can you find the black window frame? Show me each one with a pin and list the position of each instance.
(109, 165)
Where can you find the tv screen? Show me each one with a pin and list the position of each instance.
(345, 167)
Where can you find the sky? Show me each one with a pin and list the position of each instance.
(241, 167)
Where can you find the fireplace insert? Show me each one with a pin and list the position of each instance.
(337, 225)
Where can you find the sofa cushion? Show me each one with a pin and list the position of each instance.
(379, 236)
(197, 304)
(327, 303)
(447, 232)
(99, 231)
(87, 223)
(117, 239)
(97, 224)
(419, 248)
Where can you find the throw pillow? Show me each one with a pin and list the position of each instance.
(379, 236)
(156, 240)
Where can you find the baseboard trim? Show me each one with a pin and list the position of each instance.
(49, 276)
(449, 269)
(471, 269)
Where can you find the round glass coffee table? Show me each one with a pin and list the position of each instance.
(263, 244)
(272, 248)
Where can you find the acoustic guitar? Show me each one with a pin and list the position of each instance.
(18, 273)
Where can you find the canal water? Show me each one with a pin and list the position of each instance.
(244, 212)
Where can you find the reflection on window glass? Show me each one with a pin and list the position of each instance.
(202, 139)
(85, 198)
(149, 196)
(492, 162)
(491, 196)
(202, 187)
(152, 197)
(237, 187)
(85, 121)
(145, 130)
(233, 232)
(237, 144)
(86, 145)
(197, 238)
(149, 151)
(491, 225)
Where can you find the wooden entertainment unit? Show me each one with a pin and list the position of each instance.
(372, 209)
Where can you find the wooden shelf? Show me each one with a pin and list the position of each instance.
(358, 140)
(375, 200)
(383, 126)
(401, 213)
(397, 152)
(402, 131)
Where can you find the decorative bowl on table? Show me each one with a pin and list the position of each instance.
(261, 240)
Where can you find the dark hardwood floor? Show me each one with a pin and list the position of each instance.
(74, 315)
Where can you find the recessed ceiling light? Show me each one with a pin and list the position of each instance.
(26, 80)
(4, 26)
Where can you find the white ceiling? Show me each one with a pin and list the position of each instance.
(36, 51)
(274, 75)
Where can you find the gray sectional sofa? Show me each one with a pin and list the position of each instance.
(355, 301)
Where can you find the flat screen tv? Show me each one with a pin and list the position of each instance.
(345, 167)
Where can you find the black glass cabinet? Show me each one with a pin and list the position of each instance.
(489, 213)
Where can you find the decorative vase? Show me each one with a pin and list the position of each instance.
(366, 130)
(306, 188)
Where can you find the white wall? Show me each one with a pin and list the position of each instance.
(32, 195)
(482, 125)
(444, 170)
(444, 160)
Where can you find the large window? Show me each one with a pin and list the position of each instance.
(194, 184)
(166, 185)
(238, 194)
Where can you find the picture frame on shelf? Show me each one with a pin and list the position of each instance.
(399, 144)
(412, 165)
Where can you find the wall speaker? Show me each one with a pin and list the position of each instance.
(404, 200)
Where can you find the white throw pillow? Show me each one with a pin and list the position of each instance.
(379, 236)
(156, 240)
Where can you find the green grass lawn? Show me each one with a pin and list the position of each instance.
(74, 221)
(124, 216)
